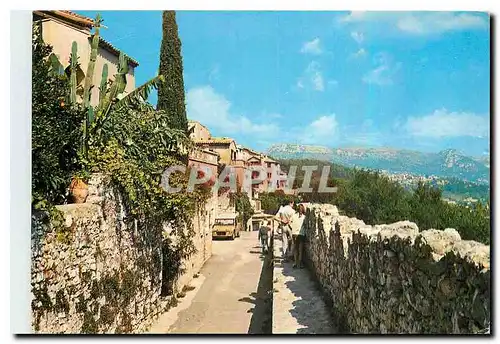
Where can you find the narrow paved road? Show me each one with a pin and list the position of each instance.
(298, 306)
(231, 293)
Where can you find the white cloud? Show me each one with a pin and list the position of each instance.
(442, 123)
(420, 23)
(437, 22)
(384, 72)
(312, 47)
(360, 53)
(358, 36)
(317, 80)
(354, 16)
(312, 77)
(320, 131)
(212, 109)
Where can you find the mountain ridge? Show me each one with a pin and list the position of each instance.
(449, 163)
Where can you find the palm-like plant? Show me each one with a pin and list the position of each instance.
(112, 100)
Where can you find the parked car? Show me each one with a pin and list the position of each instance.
(226, 226)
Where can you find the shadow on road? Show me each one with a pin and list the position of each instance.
(261, 322)
(304, 288)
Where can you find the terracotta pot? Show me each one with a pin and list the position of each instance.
(78, 190)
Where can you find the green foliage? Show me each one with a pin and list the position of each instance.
(137, 97)
(336, 175)
(104, 82)
(93, 57)
(134, 146)
(55, 129)
(375, 199)
(127, 139)
(458, 190)
(56, 68)
(171, 93)
(270, 202)
(243, 206)
(73, 67)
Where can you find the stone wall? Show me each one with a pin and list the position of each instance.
(96, 274)
(202, 240)
(395, 279)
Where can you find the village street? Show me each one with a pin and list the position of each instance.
(230, 295)
(233, 294)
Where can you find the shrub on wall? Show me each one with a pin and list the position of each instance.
(55, 129)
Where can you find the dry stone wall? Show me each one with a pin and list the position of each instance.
(395, 279)
(97, 274)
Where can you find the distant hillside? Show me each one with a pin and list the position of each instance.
(448, 163)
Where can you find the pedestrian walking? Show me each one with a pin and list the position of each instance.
(264, 231)
(298, 235)
(284, 215)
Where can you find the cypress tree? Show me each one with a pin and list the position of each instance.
(171, 93)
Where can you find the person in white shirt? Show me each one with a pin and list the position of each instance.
(284, 215)
(298, 235)
(277, 217)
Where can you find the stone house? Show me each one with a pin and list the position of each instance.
(199, 131)
(224, 146)
(247, 157)
(61, 28)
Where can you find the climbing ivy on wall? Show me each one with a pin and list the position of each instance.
(132, 143)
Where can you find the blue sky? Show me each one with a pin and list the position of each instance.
(413, 80)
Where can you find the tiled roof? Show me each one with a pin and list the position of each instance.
(210, 152)
(78, 16)
(196, 122)
(88, 23)
(215, 140)
(70, 16)
(249, 150)
(114, 50)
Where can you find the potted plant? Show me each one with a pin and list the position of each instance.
(78, 188)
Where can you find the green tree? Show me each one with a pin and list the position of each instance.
(243, 207)
(55, 128)
(375, 199)
(270, 202)
(171, 92)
